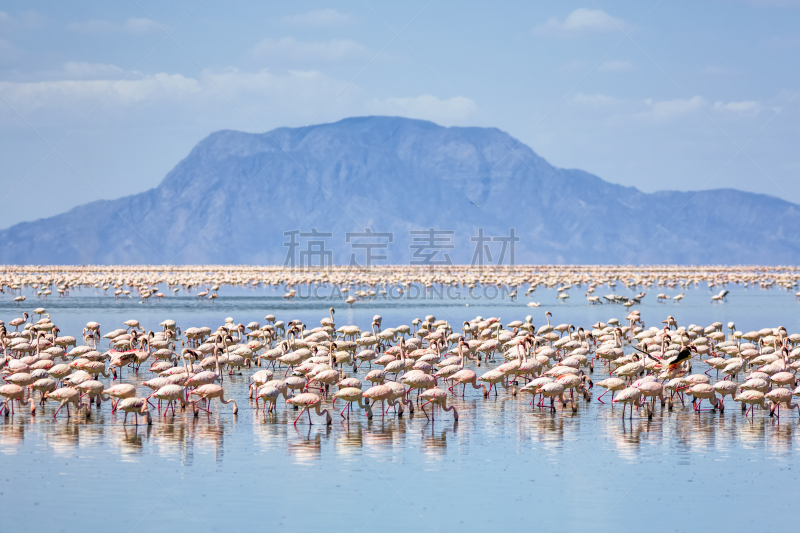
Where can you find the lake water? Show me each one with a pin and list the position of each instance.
(503, 465)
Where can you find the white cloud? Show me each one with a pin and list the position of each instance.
(746, 107)
(140, 25)
(581, 21)
(444, 111)
(667, 110)
(227, 99)
(308, 86)
(595, 100)
(67, 93)
(290, 49)
(132, 25)
(269, 98)
(319, 18)
(615, 66)
(75, 70)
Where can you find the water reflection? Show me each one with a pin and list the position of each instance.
(351, 438)
(550, 430)
(132, 441)
(307, 447)
(385, 433)
(781, 437)
(12, 435)
(434, 437)
(480, 421)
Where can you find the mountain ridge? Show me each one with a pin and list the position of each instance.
(230, 200)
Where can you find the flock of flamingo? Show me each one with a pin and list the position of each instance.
(419, 367)
(154, 283)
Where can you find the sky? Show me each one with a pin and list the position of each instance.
(102, 99)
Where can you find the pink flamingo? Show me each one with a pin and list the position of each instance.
(437, 396)
(307, 401)
(13, 392)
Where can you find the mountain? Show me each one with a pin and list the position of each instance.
(231, 200)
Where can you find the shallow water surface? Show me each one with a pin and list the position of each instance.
(503, 464)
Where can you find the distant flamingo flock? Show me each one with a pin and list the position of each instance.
(156, 283)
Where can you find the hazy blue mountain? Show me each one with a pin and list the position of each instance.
(233, 197)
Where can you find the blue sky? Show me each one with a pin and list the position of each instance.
(102, 99)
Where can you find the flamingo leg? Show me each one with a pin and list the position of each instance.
(298, 416)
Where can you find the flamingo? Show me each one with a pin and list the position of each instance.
(17, 322)
(438, 397)
(307, 401)
(352, 395)
(136, 406)
(209, 392)
(120, 391)
(13, 392)
(65, 395)
(380, 393)
(269, 393)
(630, 395)
(751, 398)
